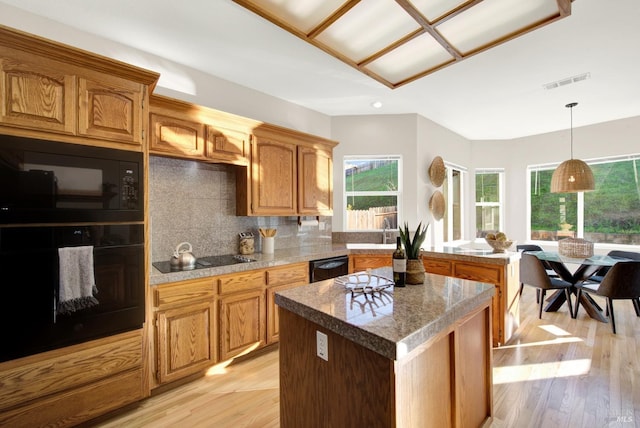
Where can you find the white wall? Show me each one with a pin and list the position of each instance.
(613, 138)
(177, 80)
(417, 139)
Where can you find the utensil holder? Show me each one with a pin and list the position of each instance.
(268, 244)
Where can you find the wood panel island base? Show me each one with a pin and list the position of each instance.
(418, 356)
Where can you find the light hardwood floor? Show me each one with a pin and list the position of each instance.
(555, 372)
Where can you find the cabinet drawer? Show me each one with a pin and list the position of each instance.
(183, 292)
(365, 262)
(241, 281)
(479, 273)
(66, 368)
(298, 273)
(437, 266)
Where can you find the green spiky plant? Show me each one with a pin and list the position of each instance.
(412, 246)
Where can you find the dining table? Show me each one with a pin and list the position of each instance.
(587, 267)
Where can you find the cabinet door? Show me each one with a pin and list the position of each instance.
(111, 109)
(315, 181)
(176, 136)
(37, 96)
(242, 323)
(273, 177)
(227, 145)
(185, 340)
(278, 279)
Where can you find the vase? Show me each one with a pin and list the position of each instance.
(415, 271)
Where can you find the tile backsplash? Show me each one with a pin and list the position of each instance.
(195, 202)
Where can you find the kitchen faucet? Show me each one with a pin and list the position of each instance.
(385, 226)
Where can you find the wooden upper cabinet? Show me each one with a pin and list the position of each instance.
(111, 109)
(273, 171)
(291, 173)
(36, 96)
(226, 144)
(185, 130)
(176, 136)
(50, 88)
(315, 181)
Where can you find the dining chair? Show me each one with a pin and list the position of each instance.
(532, 247)
(622, 281)
(598, 276)
(533, 273)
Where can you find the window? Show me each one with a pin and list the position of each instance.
(372, 191)
(452, 188)
(609, 214)
(489, 191)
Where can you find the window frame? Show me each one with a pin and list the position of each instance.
(501, 196)
(448, 221)
(346, 193)
(580, 204)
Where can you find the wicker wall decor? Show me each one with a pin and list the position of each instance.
(576, 248)
(437, 205)
(437, 171)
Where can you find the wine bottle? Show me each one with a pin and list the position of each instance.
(399, 265)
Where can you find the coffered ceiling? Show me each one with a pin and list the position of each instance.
(397, 42)
(517, 88)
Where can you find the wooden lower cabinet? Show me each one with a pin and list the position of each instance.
(68, 386)
(201, 322)
(505, 304)
(279, 279)
(242, 323)
(186, 343)
(185, 339)
(445, 382)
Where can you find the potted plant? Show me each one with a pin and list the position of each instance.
(415, 268)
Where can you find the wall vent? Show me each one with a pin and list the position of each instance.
(567, 81)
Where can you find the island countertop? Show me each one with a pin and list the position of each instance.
(392, 322)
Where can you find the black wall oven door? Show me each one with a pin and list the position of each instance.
(29, 273)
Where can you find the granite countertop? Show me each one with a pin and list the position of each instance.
(279, 257)
(472, 253)
(391, 323)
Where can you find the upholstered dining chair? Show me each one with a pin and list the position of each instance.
(622, 281)
(533, 273)
(547, 266)
(598, 276)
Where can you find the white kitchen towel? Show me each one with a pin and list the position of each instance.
(77, 279)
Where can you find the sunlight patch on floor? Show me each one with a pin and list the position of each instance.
(557, 341)
(555, 330)
(531, 372)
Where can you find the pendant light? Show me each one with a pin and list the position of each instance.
(572, 175)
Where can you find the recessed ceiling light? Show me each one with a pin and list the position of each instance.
(376, 104)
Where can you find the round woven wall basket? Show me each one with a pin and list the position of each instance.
(437, 171)
(436, 205)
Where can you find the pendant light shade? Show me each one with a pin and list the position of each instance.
(572, 175)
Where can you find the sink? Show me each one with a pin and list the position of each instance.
(368, 246)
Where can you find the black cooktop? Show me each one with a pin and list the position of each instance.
(205, 262)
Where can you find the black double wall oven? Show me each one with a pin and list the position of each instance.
(71, 244)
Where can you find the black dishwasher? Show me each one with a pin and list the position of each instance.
(328, 268)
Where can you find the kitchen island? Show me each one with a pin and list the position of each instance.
(417, 356)
(475, 263)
